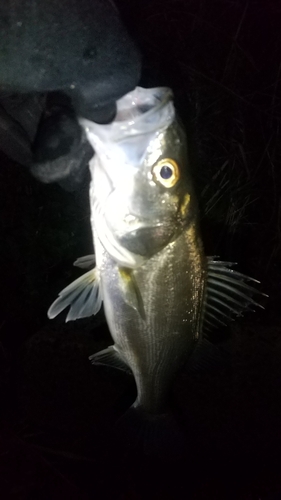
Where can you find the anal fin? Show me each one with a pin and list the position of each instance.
(110, 357)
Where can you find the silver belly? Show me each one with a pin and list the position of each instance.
(171, 285)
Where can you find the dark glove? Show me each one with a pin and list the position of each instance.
(79, 53)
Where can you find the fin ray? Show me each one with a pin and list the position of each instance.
(236, 279)
(218, 311)
(227, 293)
(110, 357)
(214, 317)
(234, 290)
(85, 262)
(222, 303)
(82, 295)
(213, 270)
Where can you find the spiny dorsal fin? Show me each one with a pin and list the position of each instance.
(227, 294)
(83, 296)
(110, 357)
(130, 290)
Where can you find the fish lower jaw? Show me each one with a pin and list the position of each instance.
(131, 230)
(132, 222)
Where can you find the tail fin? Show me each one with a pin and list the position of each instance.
(150, 434)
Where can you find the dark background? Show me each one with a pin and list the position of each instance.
(222, 60)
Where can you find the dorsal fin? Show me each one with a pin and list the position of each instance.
(227, 294)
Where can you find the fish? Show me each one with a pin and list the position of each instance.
(161, 294)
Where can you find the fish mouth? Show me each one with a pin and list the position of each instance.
(140, 112)
(136, 241)
(111, 243)
(133, 224)
(143, 105)
(140, 236)
(146, 239)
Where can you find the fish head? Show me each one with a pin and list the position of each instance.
(141, 194)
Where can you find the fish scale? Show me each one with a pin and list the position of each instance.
(159, 290)
(157, 347)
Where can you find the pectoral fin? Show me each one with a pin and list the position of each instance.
(110, 357)
(130, 290)
(83, 296)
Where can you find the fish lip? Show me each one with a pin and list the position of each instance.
(134, 223)
(157, 101)
(160, 96)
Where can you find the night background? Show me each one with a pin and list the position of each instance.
(223, 61)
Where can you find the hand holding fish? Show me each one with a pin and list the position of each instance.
(79, 54)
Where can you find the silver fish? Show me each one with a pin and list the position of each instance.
(159, 290)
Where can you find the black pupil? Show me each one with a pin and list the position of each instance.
(166, 172)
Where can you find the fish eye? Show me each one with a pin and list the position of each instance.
(166, 172)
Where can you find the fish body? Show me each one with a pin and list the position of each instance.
(161, 256)
(158, 288)
(155, 344)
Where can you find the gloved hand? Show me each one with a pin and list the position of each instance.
(76, 52)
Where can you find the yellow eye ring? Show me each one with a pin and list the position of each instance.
(166, 172)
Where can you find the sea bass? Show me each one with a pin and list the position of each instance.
(159, 290)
